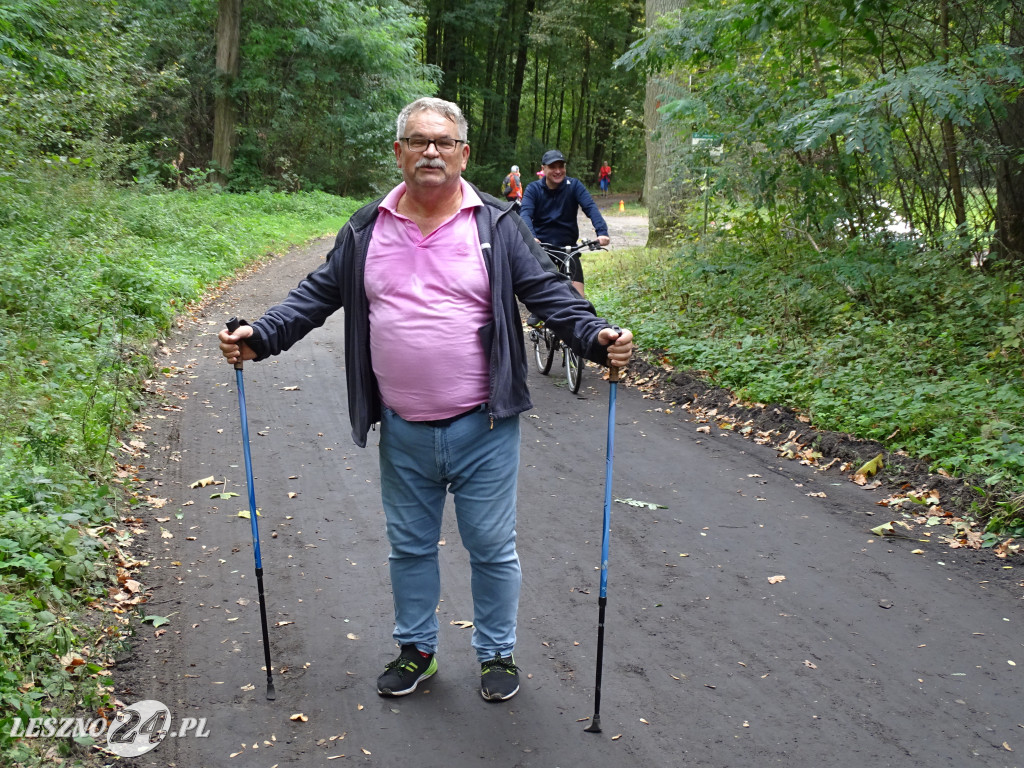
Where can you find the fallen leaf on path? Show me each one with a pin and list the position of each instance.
(352, 636)
(886, 528)
(298, 716)
(867, 470)
(776, 579)
(204, 482)
(461, 623)
(289, 389)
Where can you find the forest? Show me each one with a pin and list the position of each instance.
(835, 195)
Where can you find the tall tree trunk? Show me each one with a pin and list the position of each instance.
(1009, 233)
(225, 112)
(536, 96)
(658, 192)
(545, 113)
(949, 136)
(577, 144)
(516, 90)
(561, 113)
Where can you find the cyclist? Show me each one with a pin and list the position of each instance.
(550, 207)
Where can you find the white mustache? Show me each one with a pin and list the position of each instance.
(431, 162)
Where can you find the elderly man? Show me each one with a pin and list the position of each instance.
(428, 277)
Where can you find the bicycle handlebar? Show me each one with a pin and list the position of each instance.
(572, 250)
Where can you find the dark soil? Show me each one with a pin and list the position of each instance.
(900, 472)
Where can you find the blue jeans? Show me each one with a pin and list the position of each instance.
(479, 464)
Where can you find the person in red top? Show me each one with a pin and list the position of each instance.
(604, 177)
(512, 187)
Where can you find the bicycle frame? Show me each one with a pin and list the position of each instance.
(545, 342)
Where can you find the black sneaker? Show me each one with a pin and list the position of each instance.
(499, 678)
(533, 321)
(402, 675)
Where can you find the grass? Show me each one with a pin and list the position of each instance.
(914, 349)
(90, 275)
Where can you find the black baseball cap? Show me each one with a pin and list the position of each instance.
(552, 156)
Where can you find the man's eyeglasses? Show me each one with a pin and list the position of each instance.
(420, 144)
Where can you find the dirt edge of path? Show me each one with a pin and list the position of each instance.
(691, 390)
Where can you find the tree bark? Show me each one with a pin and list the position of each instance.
(225, 112)
(1009, 229)
(516, 90)
(949, 135)
(662, 207)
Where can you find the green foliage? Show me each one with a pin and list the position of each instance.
(319, 88)
(830, 112)
(91, 275)
(68, 71)
(888, 344)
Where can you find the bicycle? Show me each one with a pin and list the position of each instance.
(545, 342)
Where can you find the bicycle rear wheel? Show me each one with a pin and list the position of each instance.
(573, 370)
(543, 349)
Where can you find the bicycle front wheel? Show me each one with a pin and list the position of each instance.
(573, 370)
(543, 349)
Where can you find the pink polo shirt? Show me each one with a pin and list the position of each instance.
(429, 296)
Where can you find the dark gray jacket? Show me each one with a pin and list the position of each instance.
(516, 267)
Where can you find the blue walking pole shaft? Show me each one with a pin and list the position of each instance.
(232, 326)
(602, 600)
(253, 523)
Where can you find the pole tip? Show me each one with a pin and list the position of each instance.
(595, 724)
(271, 693)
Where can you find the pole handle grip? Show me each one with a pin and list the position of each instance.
(233, 325)
(613, 372)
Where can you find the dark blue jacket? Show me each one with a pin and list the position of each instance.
(551, 213)
(516, 267)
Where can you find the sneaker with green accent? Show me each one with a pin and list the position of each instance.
(402, 675)
(499, 678)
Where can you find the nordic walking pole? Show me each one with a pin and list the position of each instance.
(602, 600)
(232, 325)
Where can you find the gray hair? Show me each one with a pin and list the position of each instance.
(440, 106)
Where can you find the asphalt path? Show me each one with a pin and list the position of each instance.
(865, 654)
